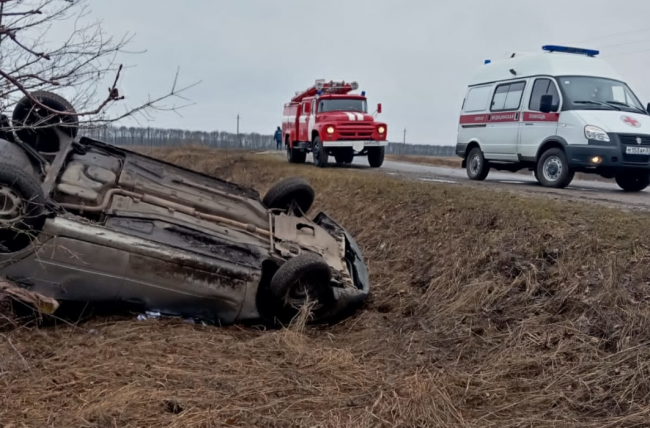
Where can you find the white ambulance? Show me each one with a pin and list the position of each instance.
(556, 112)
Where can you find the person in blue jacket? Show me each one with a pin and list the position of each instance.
(278, 138)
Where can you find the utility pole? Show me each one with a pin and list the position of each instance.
(404, 149)
(238, 141)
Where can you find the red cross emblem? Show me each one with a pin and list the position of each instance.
(631, 121)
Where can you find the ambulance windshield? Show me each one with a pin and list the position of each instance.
(343, 104)
(596, 93)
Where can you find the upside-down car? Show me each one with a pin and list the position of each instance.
(84, 221)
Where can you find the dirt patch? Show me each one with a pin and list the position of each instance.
(487, 310)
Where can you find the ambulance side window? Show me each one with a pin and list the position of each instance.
(477, 99)
(543, 87)
(507, 97)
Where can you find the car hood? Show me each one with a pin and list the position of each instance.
(617, 121)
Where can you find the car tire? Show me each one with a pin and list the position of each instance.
(477, 167)
(22, 206)
(553, 169)
(321, 157)
(304, 276)
(292, 193)
(27, 115)
(376, 156)
(344, 156)
(633, 182)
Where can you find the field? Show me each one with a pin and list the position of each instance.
(488, 309)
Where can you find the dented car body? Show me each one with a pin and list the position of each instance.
(122, 228)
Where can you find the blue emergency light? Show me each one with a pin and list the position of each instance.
(567, 49)
(488, 61)
(319, 93)
(363, 93)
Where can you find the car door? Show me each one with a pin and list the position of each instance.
(502, 132)
(537, 126)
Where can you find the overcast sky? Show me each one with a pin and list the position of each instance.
(413, 56)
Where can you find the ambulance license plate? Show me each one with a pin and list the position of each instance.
(637, 150)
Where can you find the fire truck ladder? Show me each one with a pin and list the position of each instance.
(320, 87)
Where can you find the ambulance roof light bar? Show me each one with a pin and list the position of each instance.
(567, 49)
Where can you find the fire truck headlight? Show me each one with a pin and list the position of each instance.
(381, 129)
(330, 130)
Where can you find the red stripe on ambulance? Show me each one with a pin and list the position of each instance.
(541, 117)
(473, 119)
(504, 117)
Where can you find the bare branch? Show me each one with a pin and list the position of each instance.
(78, 65)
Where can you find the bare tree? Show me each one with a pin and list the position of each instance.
(31, 65)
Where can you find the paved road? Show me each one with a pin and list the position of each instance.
(580, 190)
(589, 191)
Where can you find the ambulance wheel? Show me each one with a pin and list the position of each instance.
(553, 169)
(320, 154)
(477, 167)
(376, 156)
(633, 182)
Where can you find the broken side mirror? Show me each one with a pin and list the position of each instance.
(379, 108)
(546, 104)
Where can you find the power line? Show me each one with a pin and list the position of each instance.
(628, 53)
(607, 36)
(612, 35)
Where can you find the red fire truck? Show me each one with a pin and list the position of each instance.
(327, 119)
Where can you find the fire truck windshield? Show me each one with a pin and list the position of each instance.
(343, 104)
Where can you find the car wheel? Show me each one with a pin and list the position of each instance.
(303, 278)
(633, 182)
(321, 157)
(292, 193)
(553, 169)
(27, 116)
(22, 205)
(477, 167)
(376, 156)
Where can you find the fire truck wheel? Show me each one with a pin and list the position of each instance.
(344, 156)
(320, 155)
(376, 156)
(295, 156)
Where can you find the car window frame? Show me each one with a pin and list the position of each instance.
(532, 93)
(509, 84)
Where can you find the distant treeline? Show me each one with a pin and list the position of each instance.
(159, 137)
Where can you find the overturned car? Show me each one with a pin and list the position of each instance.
(84, 221)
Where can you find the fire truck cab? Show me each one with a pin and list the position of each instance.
(327, 119)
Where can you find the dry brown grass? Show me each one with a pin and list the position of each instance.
(488, 310)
